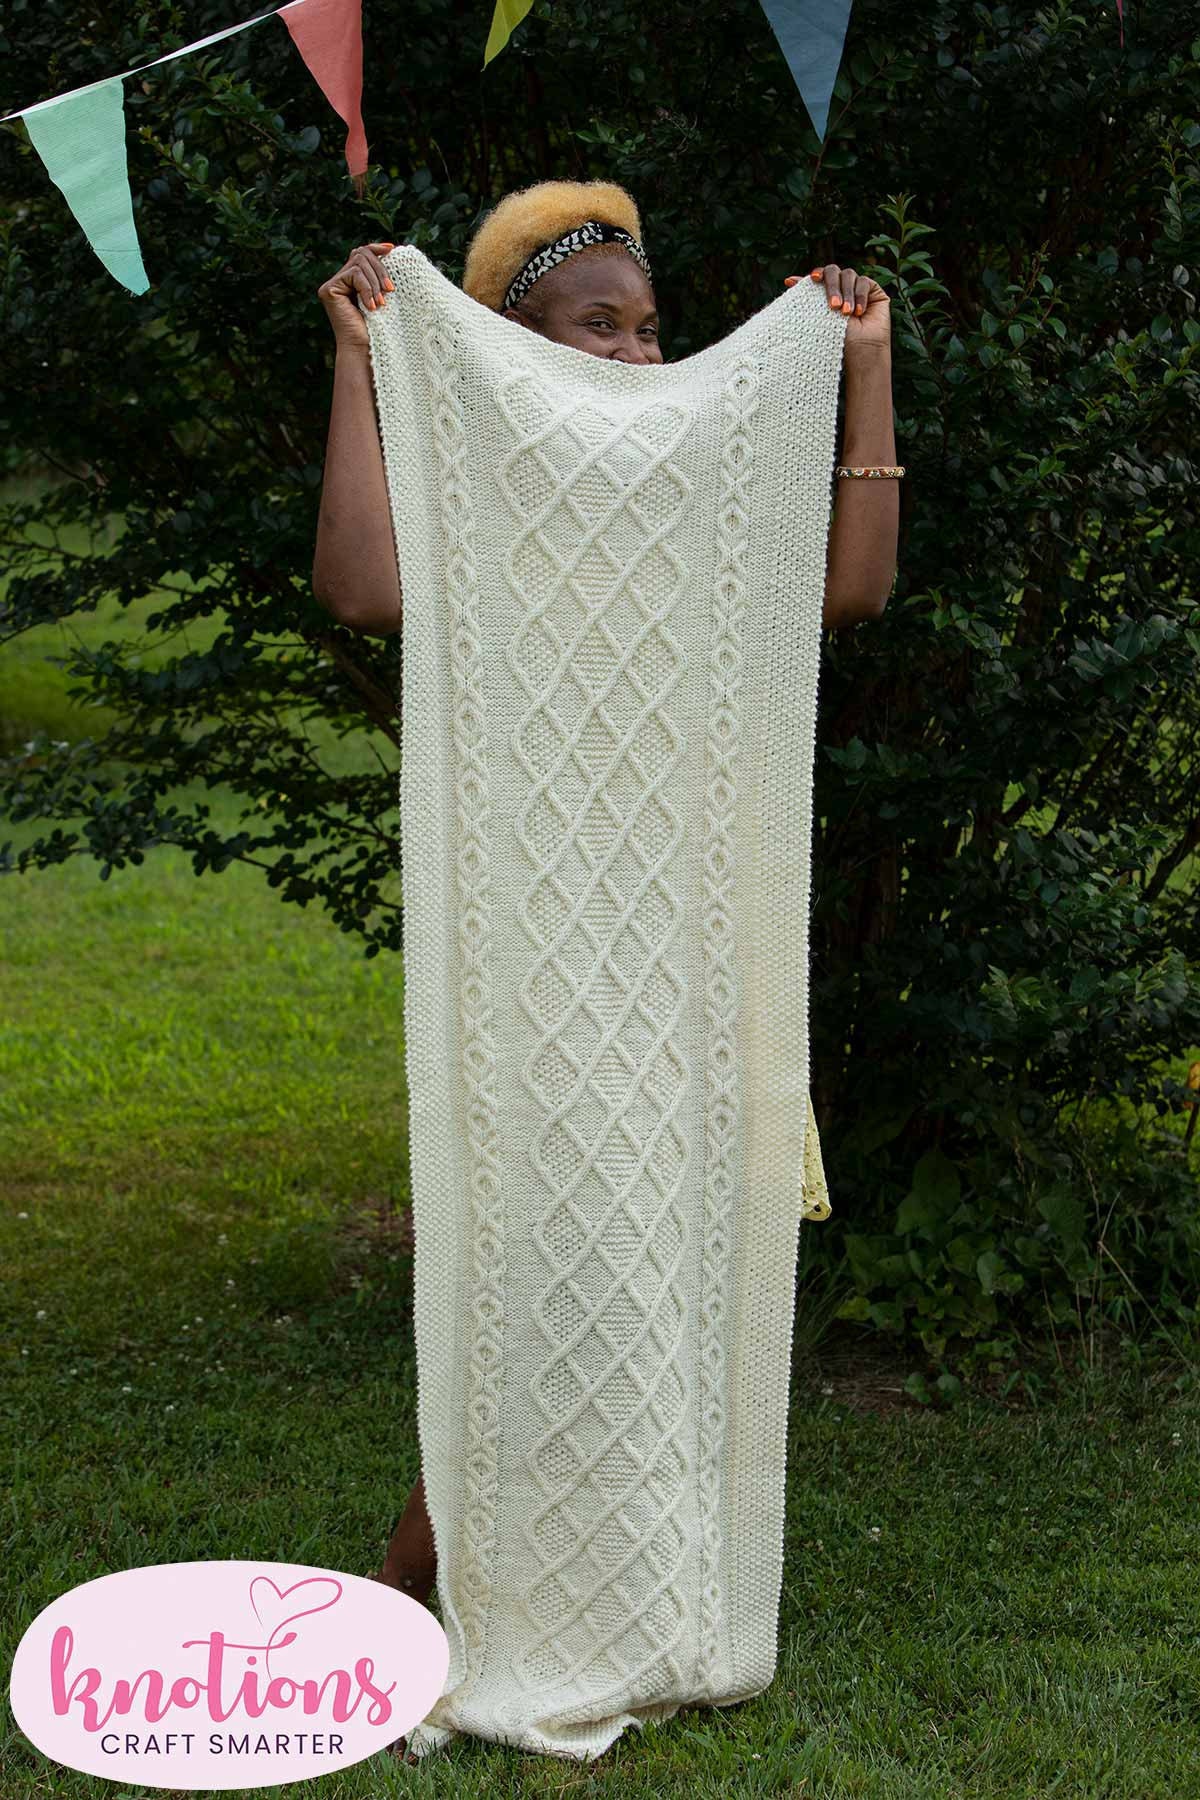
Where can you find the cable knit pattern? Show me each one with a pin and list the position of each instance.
(613, 579)
(603, 998)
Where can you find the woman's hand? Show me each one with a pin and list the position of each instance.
(362, 274)
(863, 303)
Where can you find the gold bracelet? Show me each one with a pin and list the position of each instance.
(874, 474)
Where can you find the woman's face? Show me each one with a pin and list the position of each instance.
(601, 304)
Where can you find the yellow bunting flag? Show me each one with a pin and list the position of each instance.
(505, 19)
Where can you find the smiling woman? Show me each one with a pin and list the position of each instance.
(565, 258)
(604, 310)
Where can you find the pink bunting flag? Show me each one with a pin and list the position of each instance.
(328, 35)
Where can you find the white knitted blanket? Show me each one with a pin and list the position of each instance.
(613, 579)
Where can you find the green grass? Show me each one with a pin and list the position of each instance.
(33, 686)
(209, 1353)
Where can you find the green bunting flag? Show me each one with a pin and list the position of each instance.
(80, 137)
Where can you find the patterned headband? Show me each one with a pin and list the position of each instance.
(592, 231)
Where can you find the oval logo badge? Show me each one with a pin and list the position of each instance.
(225, 1674)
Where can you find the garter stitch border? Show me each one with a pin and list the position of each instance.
(476, 1007)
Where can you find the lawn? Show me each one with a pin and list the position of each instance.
(209, 1353)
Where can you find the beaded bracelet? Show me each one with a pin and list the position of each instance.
(873, 474)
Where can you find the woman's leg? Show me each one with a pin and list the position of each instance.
(410, 1565)
(411, 1562)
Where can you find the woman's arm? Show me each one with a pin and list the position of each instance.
(354, 573)
(861, 561)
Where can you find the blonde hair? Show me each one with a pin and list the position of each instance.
(529, 217)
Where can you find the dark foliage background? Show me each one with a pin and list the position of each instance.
(1005, 989)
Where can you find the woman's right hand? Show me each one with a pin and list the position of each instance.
(360, 276)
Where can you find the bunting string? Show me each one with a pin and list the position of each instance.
(80, 135)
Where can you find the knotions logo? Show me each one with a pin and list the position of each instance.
(225, 1674)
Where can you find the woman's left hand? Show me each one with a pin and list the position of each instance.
(862, 302)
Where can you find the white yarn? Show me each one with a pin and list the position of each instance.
(613, 578)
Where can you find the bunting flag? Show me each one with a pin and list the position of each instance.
(328, 35)
(812, 36)
(505, 19)
(80, 136)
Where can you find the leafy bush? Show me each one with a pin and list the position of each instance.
(1006, 853)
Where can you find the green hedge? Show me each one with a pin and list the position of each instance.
(1005, 992)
